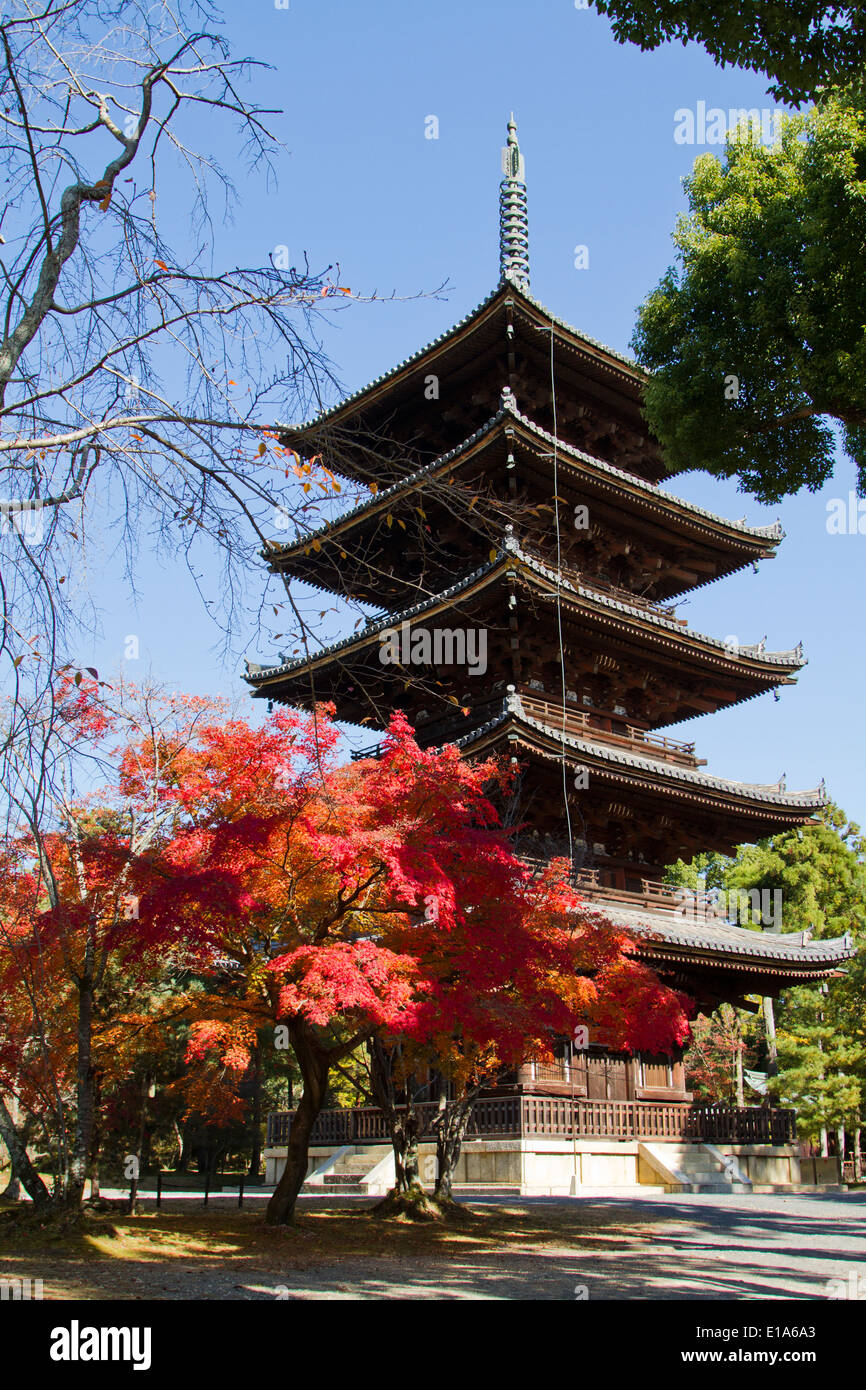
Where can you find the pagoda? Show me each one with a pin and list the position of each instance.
(524, 565)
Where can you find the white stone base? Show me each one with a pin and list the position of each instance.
(557, 1167)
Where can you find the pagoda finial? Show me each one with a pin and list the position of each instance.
(513, 216)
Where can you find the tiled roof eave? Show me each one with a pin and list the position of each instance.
(506, 288)
(660, 934)
(710, 953)
(652, 494)
(766, 795)
(791, 659)
(510, 552)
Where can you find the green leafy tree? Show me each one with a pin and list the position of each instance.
(707, 869)
(814, 1042)
(819, 870)
(755, 338)
(821, 1066)
(801, 45)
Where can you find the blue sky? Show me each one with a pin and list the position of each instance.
(361, 185)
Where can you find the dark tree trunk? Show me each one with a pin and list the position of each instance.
(402, 1118)
(450, 1127)
(404, 1139)
(12, 1190)
(142, 1120)
(22, 1169)
(255, 1168)
(315, 1064)
(93, 1165)
(95, 1143)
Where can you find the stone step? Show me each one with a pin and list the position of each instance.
(697, 1149)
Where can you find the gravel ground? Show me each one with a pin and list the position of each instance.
(658, 1247)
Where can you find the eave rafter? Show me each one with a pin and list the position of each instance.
(349, 554)
(598, 385)
(621, 626)
(628, 769)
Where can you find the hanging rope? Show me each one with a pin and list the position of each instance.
(559, 601)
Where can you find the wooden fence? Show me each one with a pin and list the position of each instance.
(525, 1117)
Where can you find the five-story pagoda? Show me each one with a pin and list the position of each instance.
(525, 562)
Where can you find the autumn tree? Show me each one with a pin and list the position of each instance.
(381, 899)
(510, 966)
(720, 1046)
(73, 906)
(337, 864)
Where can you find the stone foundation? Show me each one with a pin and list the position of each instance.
(557, 1167)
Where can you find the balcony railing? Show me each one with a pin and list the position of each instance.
(655, 896)
(585, 724)
(525, 1117)
(615, 591)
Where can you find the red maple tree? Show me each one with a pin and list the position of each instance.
(383, 898)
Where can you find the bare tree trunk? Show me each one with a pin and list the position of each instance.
(405, 1135)
(182, 1148)
(858, 1158)
(95, 1141)
(402, 1119)
(85, 1100)
(315, 1064)
(22, 1169)
(770, 1039)
(93, 1165)
(738, 1064)
(142, 1120)
(825, 1142)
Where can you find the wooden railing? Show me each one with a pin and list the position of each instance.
(604, 586)
(637, 740)
(657, 896)
(514, 1117)
(665, 610)
(577, 721)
